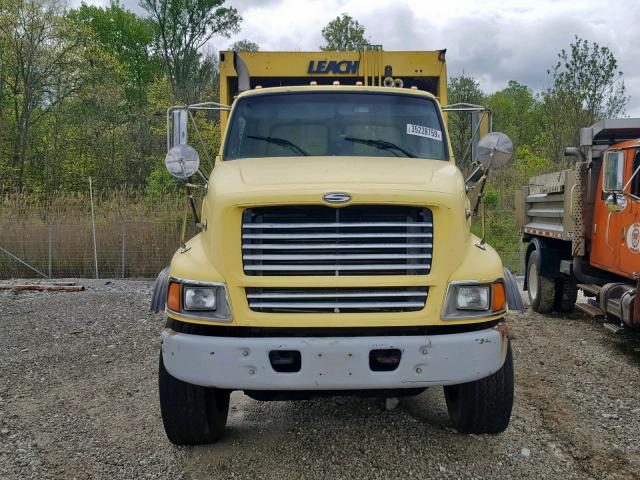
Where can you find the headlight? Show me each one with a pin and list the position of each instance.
(473, 297)
(468, 300)
(198, 300)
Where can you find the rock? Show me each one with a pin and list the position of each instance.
(391, 403)
(525, 452)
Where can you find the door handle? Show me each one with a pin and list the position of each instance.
(606, 237)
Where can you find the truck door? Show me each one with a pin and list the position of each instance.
(629, 228)
(605, 239)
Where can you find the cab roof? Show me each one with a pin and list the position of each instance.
(626, 144)
(336, 88)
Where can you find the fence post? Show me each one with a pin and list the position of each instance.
(93, 223)
(49, 249)
(123, 233)
(522, 264)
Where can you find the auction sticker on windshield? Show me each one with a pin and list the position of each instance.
(423, 131)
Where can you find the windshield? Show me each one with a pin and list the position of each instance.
(336, 124)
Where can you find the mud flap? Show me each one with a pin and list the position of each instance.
(514, 299)
(159, 295)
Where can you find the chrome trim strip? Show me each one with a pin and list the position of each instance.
(338, 225)
(332, 305)
(337, 267)
(316, 246)
(359, 294)
(354, 256)
(264, 236)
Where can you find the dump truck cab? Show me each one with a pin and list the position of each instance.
(335, 256)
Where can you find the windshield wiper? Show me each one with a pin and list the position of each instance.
(381, 144)
(281, 142)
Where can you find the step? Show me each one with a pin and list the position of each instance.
(590, 288)
(612, 327)
(591, 310)
(614, 307)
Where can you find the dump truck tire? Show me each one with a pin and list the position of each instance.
(483, 406)
(566, 294)
(191, 414)
(541, 289)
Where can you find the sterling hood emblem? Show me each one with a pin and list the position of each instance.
(336, 197)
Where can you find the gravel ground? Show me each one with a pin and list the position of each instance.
(78, 399)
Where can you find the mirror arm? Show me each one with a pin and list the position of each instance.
(633, 175)
(473, 176)
(193, 205)
(483, 183)
(202, 144)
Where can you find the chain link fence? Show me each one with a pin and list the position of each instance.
(142, 249)
(124, 250)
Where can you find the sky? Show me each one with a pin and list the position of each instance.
(492, 40)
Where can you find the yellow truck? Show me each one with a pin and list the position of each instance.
(335, 254)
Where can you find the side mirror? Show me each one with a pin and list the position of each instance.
(615, 203)
(494, 150)
(180, 126)
(182, 161)
(612, 178)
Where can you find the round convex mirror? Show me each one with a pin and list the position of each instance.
(182, 161)
(494, 150)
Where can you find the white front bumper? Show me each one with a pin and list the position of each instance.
(333, 363)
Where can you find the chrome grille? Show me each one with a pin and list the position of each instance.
(337, 300)
(352, 240)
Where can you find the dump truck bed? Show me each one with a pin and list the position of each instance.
(543, 207)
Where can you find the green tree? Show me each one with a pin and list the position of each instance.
(244, 46)
(45, 54)
(463, 89)
(517, 112)
(587, 86)
(343, 33)
(182, 28)
(129, 38)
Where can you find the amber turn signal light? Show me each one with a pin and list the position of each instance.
(173, 297)
(499, 297)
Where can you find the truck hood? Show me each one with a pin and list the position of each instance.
(338, 173)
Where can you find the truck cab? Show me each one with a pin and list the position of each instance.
(335, 257)
(616, 231)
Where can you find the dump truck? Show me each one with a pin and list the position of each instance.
(582, 227)
(334, 254)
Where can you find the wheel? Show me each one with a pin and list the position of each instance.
(566, 294)
(541, 289)
(483, 406)
(191, 414)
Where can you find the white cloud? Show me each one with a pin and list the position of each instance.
(493, 40)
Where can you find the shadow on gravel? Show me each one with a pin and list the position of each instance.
(628, 343)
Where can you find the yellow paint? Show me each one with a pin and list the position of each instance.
(215, 255)
(284, 66)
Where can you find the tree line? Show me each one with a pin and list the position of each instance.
(83, 92)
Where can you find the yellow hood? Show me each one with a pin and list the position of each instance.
(350, 172)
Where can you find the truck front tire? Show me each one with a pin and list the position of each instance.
(541, 289)
(191, 414)
(483, 406)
